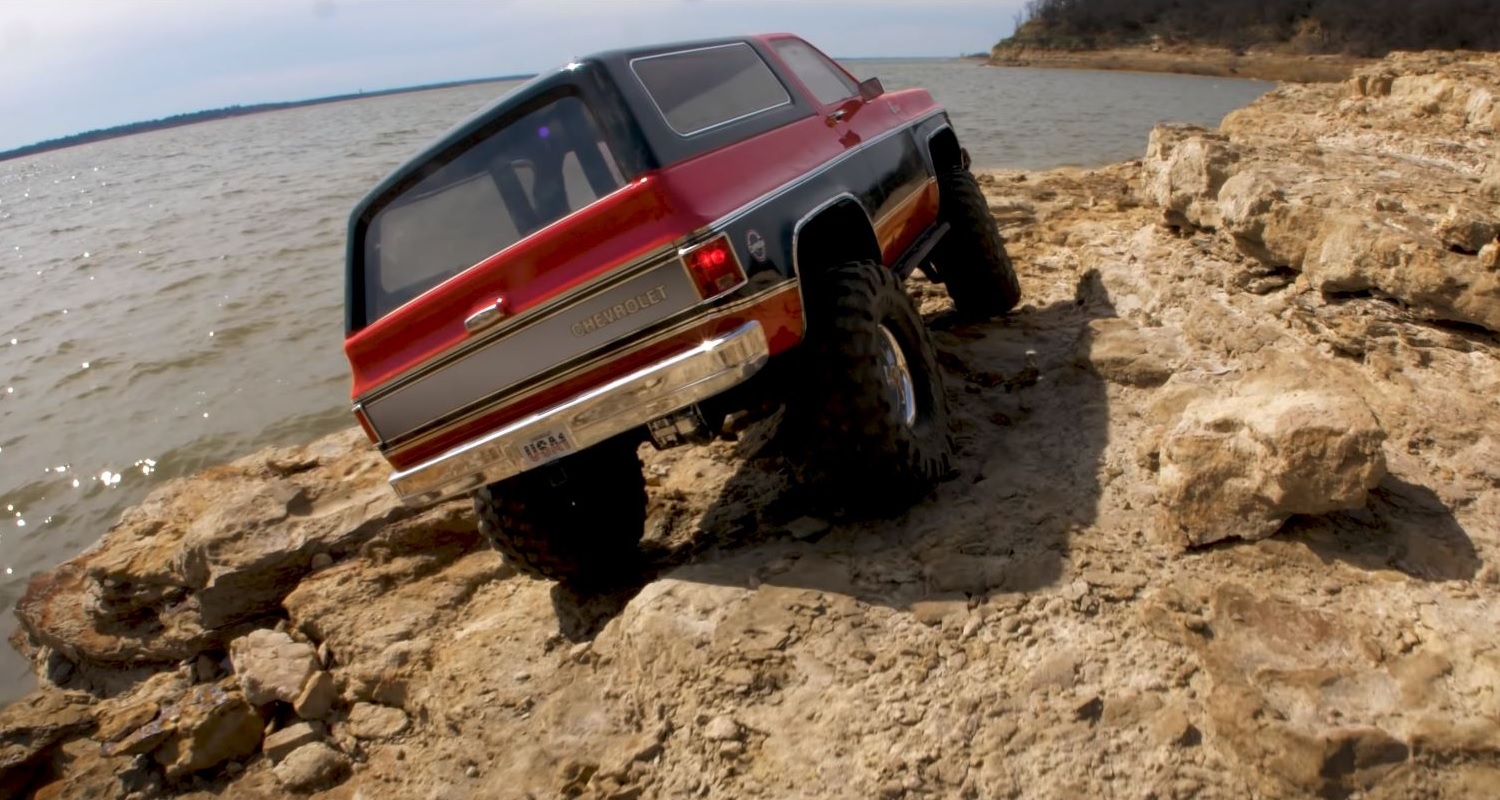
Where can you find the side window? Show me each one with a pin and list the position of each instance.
(826, 82)
(708, 87)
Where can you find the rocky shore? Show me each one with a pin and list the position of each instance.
(1224, 524)
(1183, 59)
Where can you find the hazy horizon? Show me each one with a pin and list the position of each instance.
(87, 65)
(355, 95)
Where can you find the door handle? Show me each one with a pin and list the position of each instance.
(838, 115)
(485, 317)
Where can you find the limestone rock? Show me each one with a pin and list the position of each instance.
(1185, 168)
(1489, 256)
(310, 767)
(1357, 255)
(966, 574)
(133, 723)
(807, 528)
(85, 772)
(371, 721)
(206, 669)
(213, 724)
(1115, 585)
(374, 619)
(271, 666)
(1270, 658)
(722, 729)
(143, 739)
(1239, 467)
(1466, 230)
(1489, 187)
(933, 610)
(317, 697)
(1118, 350)
(118, 721)
(1245, 201)
(200, 555)
(31, 727)
(1264, 222)
(281, 743)
(1172, 728)
(1057, 671)
(1372, 81)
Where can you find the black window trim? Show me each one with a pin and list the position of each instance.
(785, 90)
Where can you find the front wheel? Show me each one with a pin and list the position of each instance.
(578, 521)
(872, 415)
(971, 259)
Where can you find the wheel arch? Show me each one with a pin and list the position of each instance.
(944, 150)
(834, 232)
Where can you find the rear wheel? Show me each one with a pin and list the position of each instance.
(872, 417)
(578, 521)
(971, 258)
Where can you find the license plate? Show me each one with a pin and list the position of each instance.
(547, 446)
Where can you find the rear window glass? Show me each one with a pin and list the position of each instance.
(701, 89)
(531, 172)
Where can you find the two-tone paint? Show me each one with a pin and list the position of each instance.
(767, 182)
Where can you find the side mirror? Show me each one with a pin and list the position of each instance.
(871, 88)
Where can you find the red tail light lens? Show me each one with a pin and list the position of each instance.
(714, 267)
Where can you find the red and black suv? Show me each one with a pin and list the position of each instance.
(656, 243)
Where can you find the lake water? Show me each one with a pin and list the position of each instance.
(172, 300)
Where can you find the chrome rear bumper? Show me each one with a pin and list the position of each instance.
(590, 418)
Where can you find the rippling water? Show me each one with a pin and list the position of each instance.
(174, 299)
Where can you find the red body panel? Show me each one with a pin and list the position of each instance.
(716, 183)
(779, 313)
(575, 250)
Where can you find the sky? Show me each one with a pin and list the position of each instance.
(76, 65)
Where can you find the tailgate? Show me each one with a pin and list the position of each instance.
(472, 375)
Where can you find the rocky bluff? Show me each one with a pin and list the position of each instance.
(1224, 524)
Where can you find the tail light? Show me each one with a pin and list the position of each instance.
(714, 266)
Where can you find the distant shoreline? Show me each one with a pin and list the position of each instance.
(192, 118)
(1208, 61)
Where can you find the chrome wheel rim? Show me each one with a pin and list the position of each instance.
(898, 380)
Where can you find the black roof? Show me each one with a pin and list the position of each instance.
(540, 84)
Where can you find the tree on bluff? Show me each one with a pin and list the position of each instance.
(1356, 27)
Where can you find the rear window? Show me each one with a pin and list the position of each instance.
(529, 173)
(701, 89)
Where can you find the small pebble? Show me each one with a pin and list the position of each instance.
(722, 729)
(472, 771)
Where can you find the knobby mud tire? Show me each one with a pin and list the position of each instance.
(845, 420)
(578, 522)
(971, 259)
